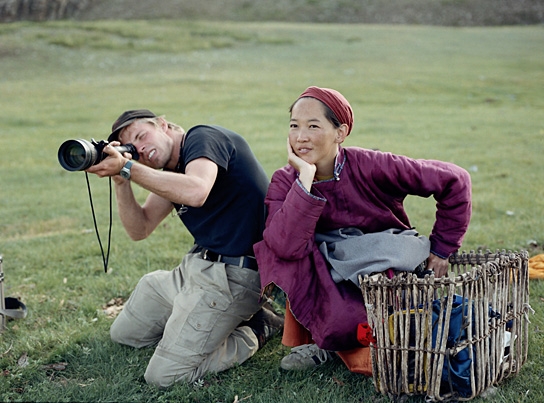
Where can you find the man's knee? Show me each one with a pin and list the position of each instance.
(160, 380)
(163, 376)
(122, 332)
(118, 334)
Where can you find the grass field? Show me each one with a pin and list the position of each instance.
(472, 96)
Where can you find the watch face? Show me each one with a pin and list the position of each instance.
(125, 173)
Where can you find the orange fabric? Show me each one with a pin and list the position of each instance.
(357, 360)
(294, 334)
(536, 267)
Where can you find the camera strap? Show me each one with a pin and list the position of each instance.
(105, 257)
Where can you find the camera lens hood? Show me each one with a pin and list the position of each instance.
(77, 155)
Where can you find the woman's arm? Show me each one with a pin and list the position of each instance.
(292, 216)
(447, 183)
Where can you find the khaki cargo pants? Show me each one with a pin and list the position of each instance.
(193, 313)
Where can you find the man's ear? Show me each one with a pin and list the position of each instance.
(341, 133)
(163, 124)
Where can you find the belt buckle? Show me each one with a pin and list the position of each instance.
(204, 254)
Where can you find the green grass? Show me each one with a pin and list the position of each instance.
(472, 96)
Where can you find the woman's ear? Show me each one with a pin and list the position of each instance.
(341, 133)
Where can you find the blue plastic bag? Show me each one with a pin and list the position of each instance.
(456, 370)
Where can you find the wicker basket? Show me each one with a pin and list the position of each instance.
(449, 338)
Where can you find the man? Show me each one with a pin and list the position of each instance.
(206, 314)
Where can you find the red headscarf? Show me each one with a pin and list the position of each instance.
(335, 101)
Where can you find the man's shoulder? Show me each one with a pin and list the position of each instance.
(211, 129)
(214, 134)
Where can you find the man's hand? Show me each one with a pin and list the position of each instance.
(111, 165)
(438, 265)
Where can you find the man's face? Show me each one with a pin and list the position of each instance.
(151, 141)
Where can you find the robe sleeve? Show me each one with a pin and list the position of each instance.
(292, 217)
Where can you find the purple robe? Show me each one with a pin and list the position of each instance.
(367, 192)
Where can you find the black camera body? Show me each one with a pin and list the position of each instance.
(79, 155)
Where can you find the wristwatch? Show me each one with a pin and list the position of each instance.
(125, 171)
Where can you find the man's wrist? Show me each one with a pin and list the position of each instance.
(126, 171)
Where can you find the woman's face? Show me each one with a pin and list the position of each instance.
(313, 137)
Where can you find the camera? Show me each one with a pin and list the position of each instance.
(79, 155)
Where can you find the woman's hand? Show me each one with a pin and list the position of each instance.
(438, 265)
(306, 171)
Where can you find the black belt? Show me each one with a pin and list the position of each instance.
(248, 262)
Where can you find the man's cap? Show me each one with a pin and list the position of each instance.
(126, 119)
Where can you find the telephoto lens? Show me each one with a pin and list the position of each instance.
(80, 154)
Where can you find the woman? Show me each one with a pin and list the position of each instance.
(326, 187)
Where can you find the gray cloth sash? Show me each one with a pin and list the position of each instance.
(351, 253)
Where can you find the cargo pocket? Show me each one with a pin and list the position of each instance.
(199, 333)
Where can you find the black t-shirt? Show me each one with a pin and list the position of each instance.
(232, 219)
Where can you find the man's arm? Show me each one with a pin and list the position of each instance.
(139, 221)
(190, 189)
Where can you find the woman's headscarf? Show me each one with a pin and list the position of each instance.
(335, 101)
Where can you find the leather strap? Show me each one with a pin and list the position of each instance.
(247, 262)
